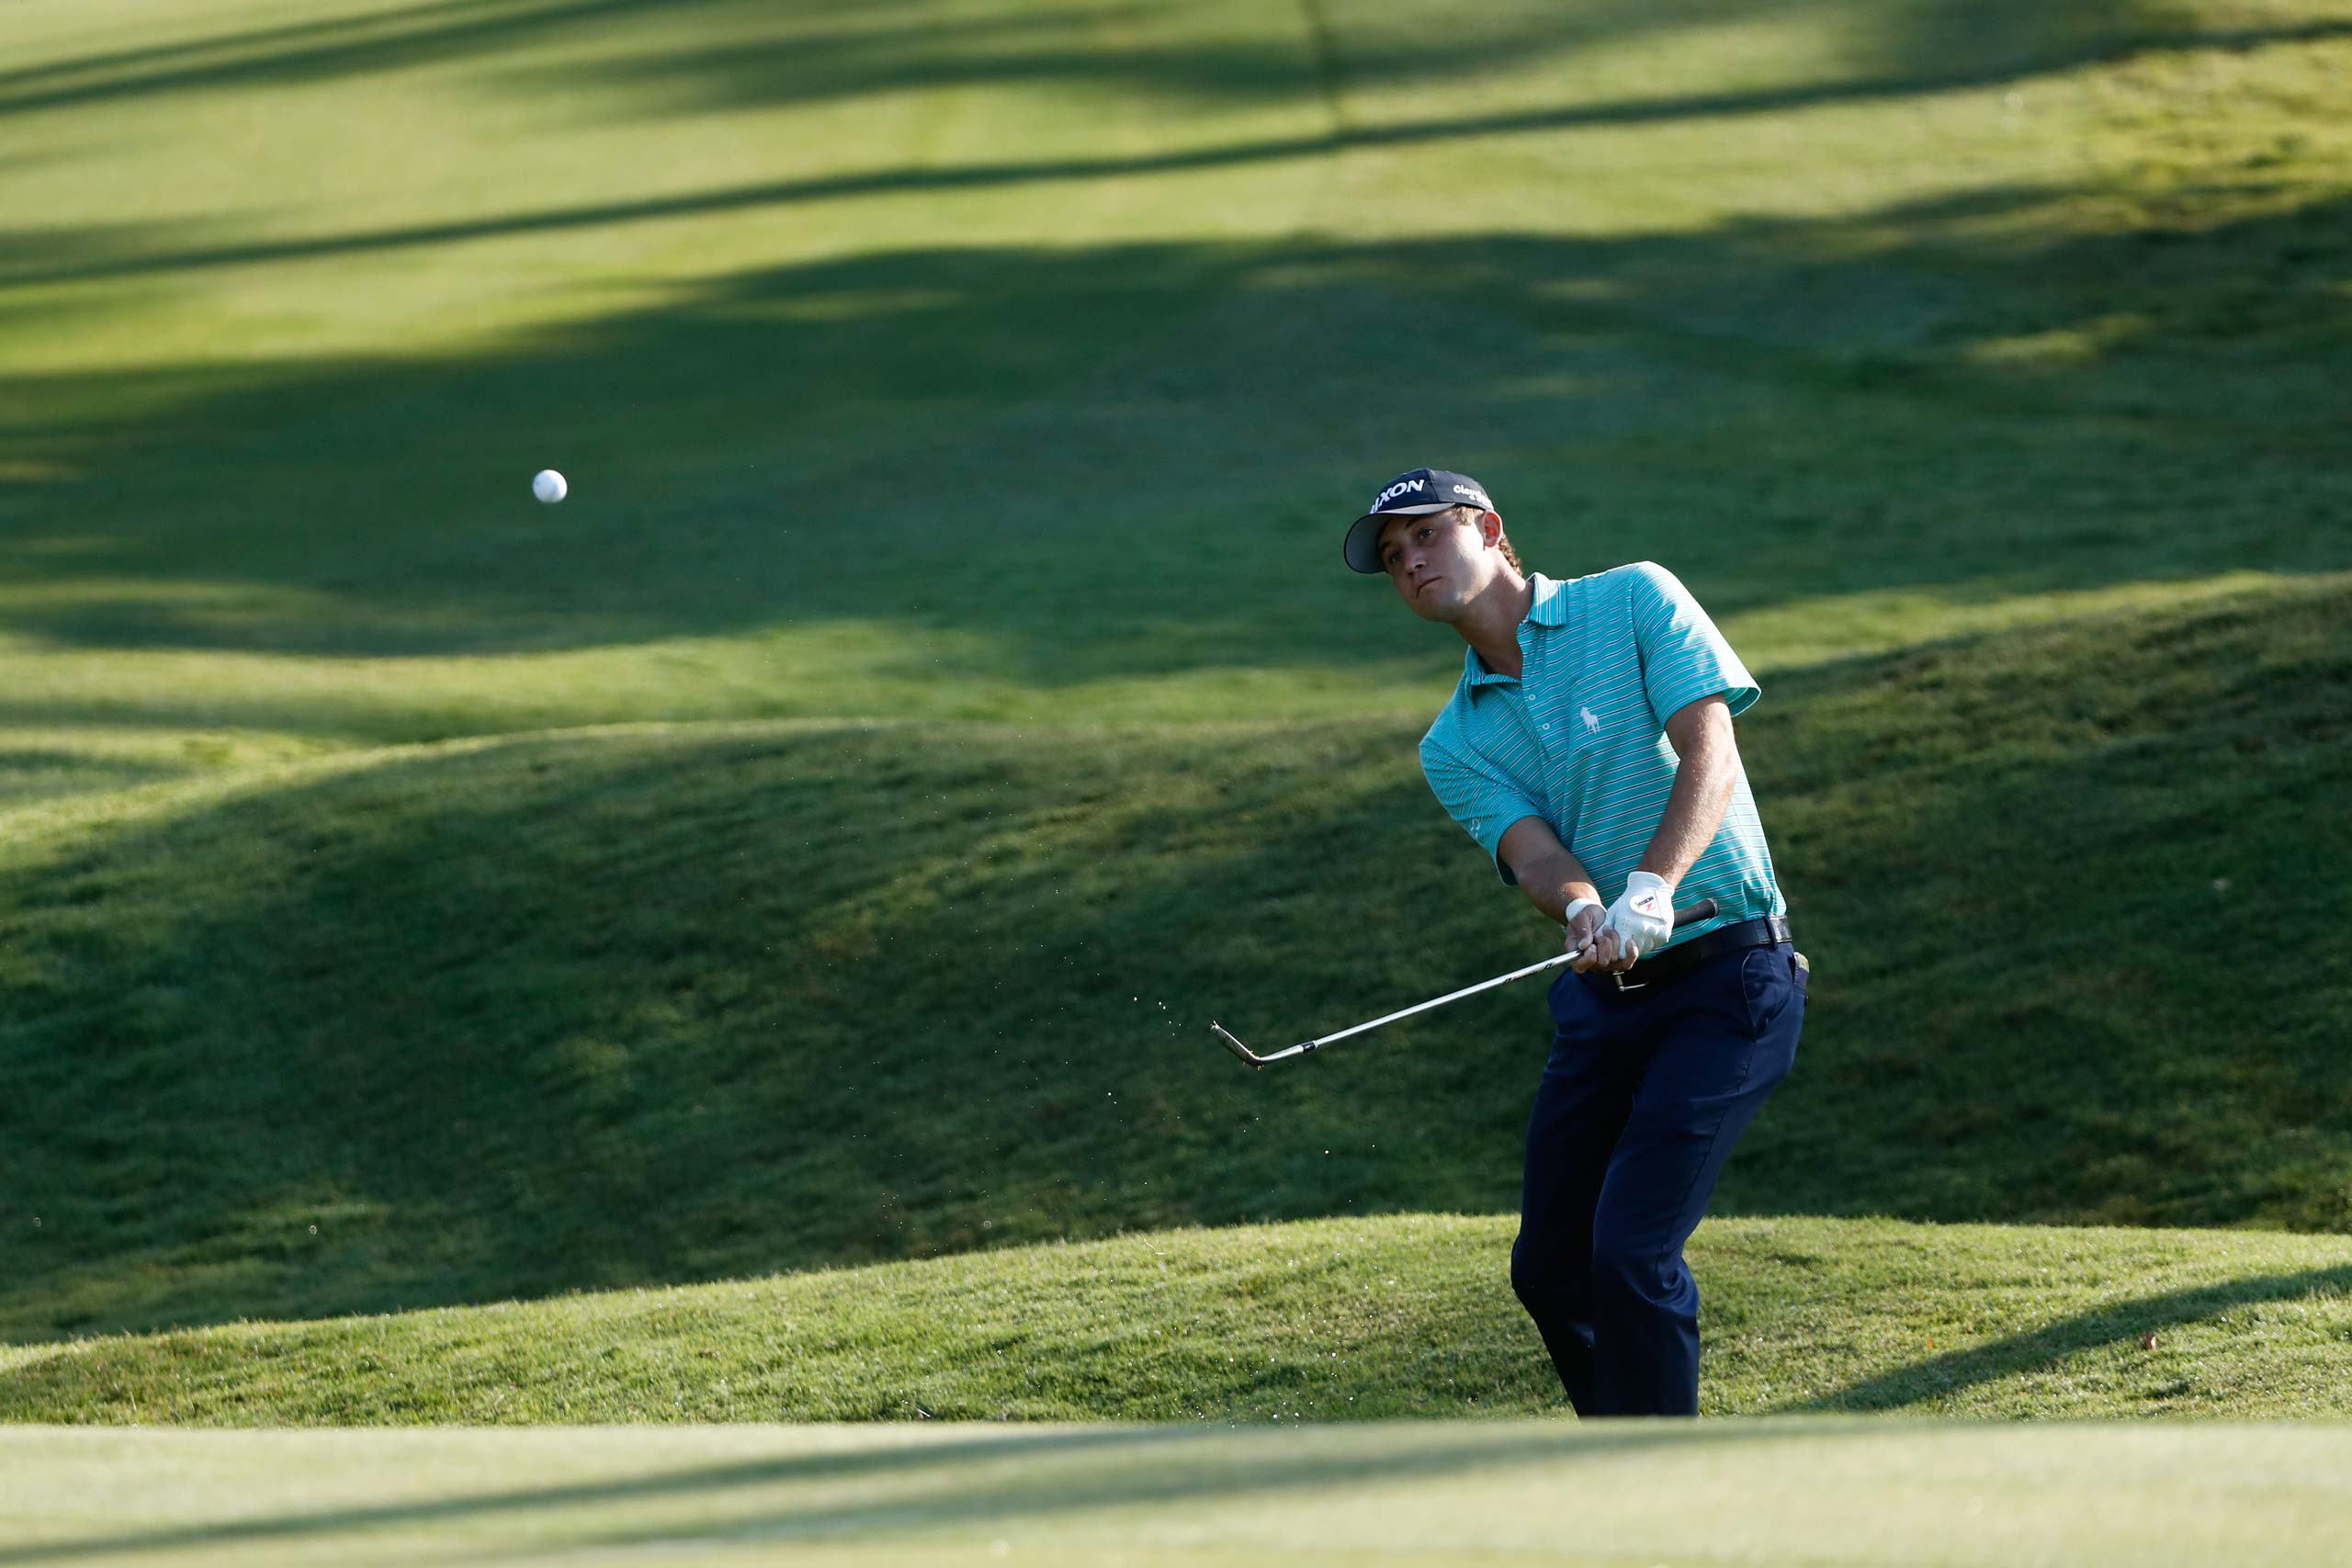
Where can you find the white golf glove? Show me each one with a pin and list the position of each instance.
(1643, 915)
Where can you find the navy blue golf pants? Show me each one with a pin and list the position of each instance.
(1646, 1093)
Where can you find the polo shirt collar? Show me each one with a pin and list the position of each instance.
(1549, 609)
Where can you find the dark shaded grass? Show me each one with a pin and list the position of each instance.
(2071, 892)
(635, 1006)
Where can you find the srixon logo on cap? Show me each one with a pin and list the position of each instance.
(1400, 488)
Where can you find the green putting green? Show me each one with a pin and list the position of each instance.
(1789, 1494)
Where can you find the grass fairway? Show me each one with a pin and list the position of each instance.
(813, 852)
(1803, 1494)
(886, 345)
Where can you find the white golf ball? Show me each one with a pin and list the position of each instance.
(549, 486)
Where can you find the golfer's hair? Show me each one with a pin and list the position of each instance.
(1471, 515)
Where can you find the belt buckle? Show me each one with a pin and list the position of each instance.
(1618, 975)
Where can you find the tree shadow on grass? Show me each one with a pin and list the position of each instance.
(804, 52)
(322, 49)
(36, 773)
(809, 53)
(1889, 51)
(2111, 1326)
(1773, 409)
(1058, 1473)
(138, 249)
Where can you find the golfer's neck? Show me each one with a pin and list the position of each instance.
(1492, 625)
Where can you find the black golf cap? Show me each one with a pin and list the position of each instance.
(1416, 494)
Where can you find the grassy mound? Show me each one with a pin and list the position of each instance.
(625, 1006)
(828, 836)
(2070, 891)
(1340, 1319)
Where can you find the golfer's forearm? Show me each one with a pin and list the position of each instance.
(1555, 881)
(1702, 788)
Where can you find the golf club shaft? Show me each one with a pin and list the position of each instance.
(1703, 910)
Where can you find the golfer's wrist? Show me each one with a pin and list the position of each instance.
(1576, 907)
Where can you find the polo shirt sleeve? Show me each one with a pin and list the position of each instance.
(1476, 794)
(1684, 657)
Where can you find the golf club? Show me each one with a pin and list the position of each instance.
(1704, 909)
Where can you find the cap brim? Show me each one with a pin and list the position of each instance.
(1360, 549)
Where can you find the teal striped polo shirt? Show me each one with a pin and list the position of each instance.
(1578, 738)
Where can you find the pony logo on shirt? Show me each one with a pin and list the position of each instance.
(1591, 721)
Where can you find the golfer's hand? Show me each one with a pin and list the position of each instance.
(1606, 956)
(1585, 924)
(1639, 923)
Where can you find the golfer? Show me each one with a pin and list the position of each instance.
(1589, 749)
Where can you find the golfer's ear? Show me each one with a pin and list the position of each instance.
(1490, 526)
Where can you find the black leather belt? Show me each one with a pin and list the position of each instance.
(1677, 962)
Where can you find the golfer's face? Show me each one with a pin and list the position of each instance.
(1437, 562)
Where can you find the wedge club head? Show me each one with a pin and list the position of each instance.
(1252, 1057)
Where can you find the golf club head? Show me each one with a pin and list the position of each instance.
(1252, 1057)
(1235, 1046)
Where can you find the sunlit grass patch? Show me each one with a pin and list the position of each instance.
(1333, 1320)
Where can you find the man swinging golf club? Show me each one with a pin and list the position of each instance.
(1589, 749)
